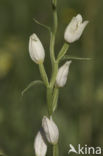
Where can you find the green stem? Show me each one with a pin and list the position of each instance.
(43, 74)
(55, 19)
(53, 36)
(54, 3)
(55, 98)
(49, 100)
(52, 99)
(52, 95)
(62, 51)
(54, 74)
(55, 150)
(52, 43)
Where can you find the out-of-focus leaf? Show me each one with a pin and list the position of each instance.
(31, 85)
(76, 58)
(5, 64)
(2, 153)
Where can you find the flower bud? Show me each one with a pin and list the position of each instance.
(75, 29)
(62, 74)
(36, 49)
(51, 130)
(40, 145)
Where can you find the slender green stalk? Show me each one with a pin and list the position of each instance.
(62, 51)
(52, 57)
(55, 150)
(55, 98)
(55, 19)
(50, 90)
(43, 74)
(52, 43)
(53, 34)
(54, 63)
(49, 100)
(54, 74)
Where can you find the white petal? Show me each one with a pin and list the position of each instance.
(79, 18)
(40, 145)
(75, 29)
(62, 74)
(51, 130)
(80, 30)
(36, 49)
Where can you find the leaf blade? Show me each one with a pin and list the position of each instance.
(41, 24)
(76, 58)
(31, 84)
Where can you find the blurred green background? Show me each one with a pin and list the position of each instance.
(80, 111)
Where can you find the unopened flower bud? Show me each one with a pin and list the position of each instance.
(51, 130)
(36, 49)
(75, 29)
(40, 145)
(62, 74)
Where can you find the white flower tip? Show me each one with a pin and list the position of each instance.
(79, 15)
(40, 144)
(33, 37)
(79, 18)
(68, 63)
(44, 119)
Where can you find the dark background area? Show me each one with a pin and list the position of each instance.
(80, 108)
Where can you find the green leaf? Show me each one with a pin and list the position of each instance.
(31, 85)
(2, 154)
(76, 58)
(43, 25)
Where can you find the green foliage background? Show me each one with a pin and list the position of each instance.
(80, 111)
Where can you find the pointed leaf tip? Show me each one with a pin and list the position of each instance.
(31, 85)
(41, 24)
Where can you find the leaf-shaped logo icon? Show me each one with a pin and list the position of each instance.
(72, 149)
